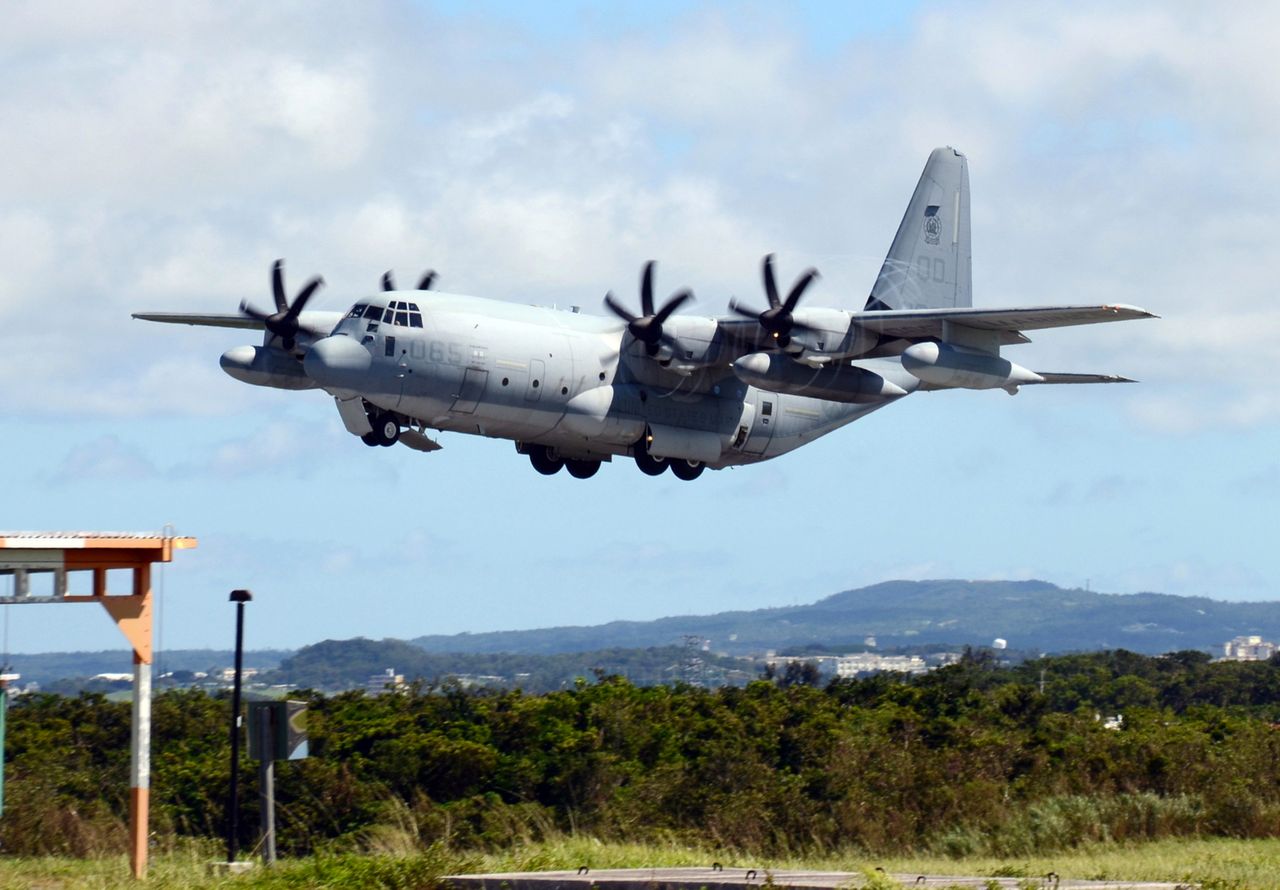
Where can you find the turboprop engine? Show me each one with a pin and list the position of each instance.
(837, 383)
(944, 365)
(691, 343)
(821, 335)
(265, 366)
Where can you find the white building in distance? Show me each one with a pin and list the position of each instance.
(1250, 648)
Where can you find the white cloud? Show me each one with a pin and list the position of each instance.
(1116, 156)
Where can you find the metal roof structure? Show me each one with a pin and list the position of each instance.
(64, 553)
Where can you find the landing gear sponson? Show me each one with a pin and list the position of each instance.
(548, 461)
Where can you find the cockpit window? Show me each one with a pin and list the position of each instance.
(356, 311)
(402, 319)
(415, 320)
(389, 316)
(373, 312)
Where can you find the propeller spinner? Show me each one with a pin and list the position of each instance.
(647, 328)
(778, 320)
(284, 321)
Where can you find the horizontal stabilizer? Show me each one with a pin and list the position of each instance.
(1051, 377)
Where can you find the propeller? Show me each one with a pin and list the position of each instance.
(778, 320)
(424, 283)
(647, 328)
(284, 321)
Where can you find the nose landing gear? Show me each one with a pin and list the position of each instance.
(385, 432)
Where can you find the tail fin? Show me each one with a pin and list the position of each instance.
(929, 264)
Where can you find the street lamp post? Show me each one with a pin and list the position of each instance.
(239, 597)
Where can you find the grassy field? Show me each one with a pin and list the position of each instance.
(1214, 864)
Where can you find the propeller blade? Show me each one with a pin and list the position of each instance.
(304, 295)
(770, 285)
(646, 288)
(428, 279)
(678, 300)
(744, 311)
(387, 282)
(618, 309)
(252, 311)
(277, 285)
(799, 288)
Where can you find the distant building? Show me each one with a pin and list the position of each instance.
(870, 663)
(229, 674)
(387, 681)
(1250, 648)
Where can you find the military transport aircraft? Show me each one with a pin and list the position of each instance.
(667, 390)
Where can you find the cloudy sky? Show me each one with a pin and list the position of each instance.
(161, 159)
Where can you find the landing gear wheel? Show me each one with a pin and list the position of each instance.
(544, 460)
(582, 469)
(688, 470)
(371, 439)
(648, 464)
(386, 429)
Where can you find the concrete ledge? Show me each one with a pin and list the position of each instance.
(758, 879)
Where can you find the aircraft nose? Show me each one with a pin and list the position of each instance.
(336, 361)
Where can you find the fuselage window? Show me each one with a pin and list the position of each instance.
(767, 409)
(357, 310)
(373, 312)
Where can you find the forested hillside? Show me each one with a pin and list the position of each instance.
(968, 758)
(1028, 614)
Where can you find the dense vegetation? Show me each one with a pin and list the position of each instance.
(968, 759)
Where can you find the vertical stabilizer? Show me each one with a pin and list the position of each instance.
(929, 264)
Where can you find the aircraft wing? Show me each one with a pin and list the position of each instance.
(208, 319)
(317, 322)
(923, 324)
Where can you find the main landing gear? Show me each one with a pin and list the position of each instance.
(651, 465)
(385, 432)
(548, 462)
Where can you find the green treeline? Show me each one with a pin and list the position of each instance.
(972, 758)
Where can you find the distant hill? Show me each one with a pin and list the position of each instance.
(46, 667)
(343, 664)
(1028, 614)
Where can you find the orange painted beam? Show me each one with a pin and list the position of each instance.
(132, 614)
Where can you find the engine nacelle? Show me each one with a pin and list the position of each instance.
(265, 366)
(949, 366)
(696, 343)
(835, 383)
(831, 334)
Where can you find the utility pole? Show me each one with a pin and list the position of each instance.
(239, 597)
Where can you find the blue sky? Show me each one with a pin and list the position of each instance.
(543, 153)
